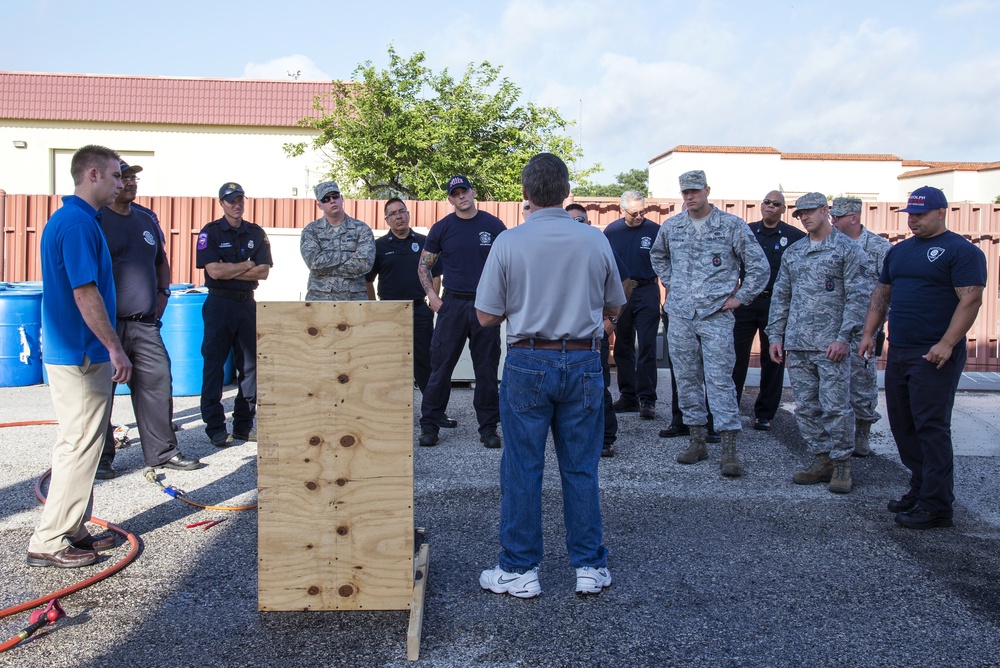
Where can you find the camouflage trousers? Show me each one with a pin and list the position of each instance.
(702, 357)
(864, 388)
(822, 391)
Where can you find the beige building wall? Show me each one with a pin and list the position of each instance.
(177, 160)
(730, 175)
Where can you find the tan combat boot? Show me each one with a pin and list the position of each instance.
(820, 471)
(841, 482)
(696, 449)
(731, 466)
(862, 432)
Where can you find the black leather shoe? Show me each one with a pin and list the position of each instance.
(105, 472)
(713, 437)
(608, 451)
(180, 462)
(647, 412)
(448, 423)
(221, 440)
(625, 406)
(250, 436)
(490, 439)
(675, 430)
(902, 504)
(95, 544)
(760, 424)
(68, 557)
(919, 518)
(428, 438)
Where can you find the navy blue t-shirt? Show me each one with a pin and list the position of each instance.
(136, 247)
(632, 244)
(923, 274)
(463, 246)
(623, 271)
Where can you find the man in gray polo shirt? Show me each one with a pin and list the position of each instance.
(552, 377)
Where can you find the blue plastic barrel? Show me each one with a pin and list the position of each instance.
(20, 337)
(26, 285)
(182, 332)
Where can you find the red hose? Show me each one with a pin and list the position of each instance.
(134, 547)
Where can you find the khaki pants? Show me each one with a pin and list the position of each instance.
(82, 398)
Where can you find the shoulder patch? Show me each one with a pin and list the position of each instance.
(203, 241)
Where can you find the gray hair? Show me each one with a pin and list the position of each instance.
(631, 196)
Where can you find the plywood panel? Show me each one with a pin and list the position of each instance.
(335, 455)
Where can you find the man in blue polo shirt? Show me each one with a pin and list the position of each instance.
(83, 356)
(931, 287)
(462, 240)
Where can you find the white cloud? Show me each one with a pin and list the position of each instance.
(295, 66)
(964, 9)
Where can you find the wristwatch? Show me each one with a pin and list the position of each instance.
(164, 291)
(614, 321)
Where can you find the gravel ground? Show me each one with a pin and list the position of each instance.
(707, 571)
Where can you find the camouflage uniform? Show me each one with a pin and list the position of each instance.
(864, 382)
(338, 257)
(820, 297)
(700, 269)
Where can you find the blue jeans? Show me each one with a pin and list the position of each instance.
(565, 390)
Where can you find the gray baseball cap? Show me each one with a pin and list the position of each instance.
(845, 205)
(808, 202)
(325, 188)
(693, 180)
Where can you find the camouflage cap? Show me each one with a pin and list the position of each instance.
(693, 180)
(845, 205)
(808, 202)
(326, 188)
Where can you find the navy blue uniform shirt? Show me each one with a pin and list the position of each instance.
(464, 246)
(632, 244)
(218, 242)
(395, 266)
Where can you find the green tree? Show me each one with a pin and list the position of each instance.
(634, 179)
(406, 130)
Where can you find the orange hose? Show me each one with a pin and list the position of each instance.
(134, 547)
(27, 423)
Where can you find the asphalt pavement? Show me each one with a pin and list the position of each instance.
(707, 571)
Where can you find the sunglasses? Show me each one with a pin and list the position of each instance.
(329, 198)
(580, 219)
(772, 202)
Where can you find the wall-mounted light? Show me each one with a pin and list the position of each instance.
(295, 192)
(20, 143)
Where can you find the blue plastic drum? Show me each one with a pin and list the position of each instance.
(20, 337)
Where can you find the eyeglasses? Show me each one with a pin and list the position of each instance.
(397, 212)
(130, 179)
(580, 219)
(772, 202)
(329, 198)
(635, 214)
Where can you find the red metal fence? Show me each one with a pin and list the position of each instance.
(23, 216)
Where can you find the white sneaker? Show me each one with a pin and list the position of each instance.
(590, 580)
(521, 585)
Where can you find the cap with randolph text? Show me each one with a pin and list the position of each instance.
(925, 199)
(230, 191)
(458, 181)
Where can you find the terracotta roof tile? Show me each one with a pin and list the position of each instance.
(872, 157)
(942, 167)
(718, 149)
(128, 99)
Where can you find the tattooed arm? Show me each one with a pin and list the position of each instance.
(427, 282)
(970, 298)
(878, 307)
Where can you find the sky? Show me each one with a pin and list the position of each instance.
(919, 79)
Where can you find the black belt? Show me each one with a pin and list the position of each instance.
(562, 344)
(644, 282)
(765, 293)
(464, 296)
(235, 295)
(149, 319)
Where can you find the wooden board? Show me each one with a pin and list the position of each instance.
(413, 631)
(335, 455)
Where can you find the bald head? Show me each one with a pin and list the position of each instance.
(772, 207)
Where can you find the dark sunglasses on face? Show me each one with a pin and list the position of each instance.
(580, 219)
(773, 202)
(329, 198)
